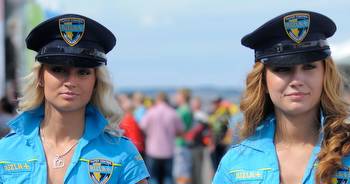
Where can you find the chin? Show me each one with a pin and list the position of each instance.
(298, 110)
(69, 107)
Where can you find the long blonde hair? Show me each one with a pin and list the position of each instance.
(256, 105)
(102, 97)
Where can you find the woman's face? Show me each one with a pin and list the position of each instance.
(68, 88)
(295, 89)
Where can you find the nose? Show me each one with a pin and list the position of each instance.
(71, 80)
(298, 78)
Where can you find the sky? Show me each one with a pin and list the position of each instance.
(191, 43)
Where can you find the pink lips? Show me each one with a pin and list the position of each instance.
(68, 95)
(297, 95)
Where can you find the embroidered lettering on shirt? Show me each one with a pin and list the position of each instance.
(249, 175)
(16, 166)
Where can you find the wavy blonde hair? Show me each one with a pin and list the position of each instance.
(102, 96)
(256, 105)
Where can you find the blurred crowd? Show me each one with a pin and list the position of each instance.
(173, 133)
(176, 134)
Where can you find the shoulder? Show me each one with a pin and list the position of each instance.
(10, 139)
(346, 160)
(241, 156)
(114, 143)
(13, 146)
(242, 163)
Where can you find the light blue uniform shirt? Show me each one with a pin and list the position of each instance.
(98, 158)
(254, 161)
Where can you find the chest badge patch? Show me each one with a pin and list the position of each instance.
(100, 170)
(342, 176)
(297, 26)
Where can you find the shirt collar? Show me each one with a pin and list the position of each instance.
(28, 122)
(265, 133)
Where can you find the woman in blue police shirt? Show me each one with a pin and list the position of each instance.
(294, 128)
(66, 132)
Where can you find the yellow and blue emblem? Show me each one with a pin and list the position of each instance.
(72, 29)
(100, 170)
(342, 176)
(297, 26)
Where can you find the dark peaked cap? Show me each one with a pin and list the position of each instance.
(295, 37)
(71, 40)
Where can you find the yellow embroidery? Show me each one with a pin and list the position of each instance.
(247, 175)
(86, 160)
(265, 169)
(16, 167)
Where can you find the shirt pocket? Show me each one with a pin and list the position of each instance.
(251, 176)
(16, 172)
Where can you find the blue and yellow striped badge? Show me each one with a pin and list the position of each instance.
(297, 26)
(72, 29)
(100, 170)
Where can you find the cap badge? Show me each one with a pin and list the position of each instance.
(72, 29)
(297, 26)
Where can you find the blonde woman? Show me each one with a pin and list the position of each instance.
(294, 128)
(66, 132)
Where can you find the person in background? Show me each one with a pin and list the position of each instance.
(129, 125)
(161, 125)
(294, 129)
(7, 112)
(195, 139)
(66, 132)
(219, 126)
(183, 156)
(139, 107)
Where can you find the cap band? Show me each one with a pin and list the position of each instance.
(81, 52)
(291, 48)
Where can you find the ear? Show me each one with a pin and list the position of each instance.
(41, 77)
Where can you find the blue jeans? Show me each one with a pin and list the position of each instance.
(160, 170)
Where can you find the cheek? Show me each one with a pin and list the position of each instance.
(273, 84)
(89, 86)
(317, 86)
(50, 84)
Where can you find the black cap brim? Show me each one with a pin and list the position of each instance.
(71, 61)
(296, 58)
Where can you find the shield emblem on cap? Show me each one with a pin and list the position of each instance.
(297, 26)
(100, 170)
(72, 29)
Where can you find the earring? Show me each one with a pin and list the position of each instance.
(40, 84)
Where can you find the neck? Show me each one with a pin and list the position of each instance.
(294, 129)
(60, 127)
